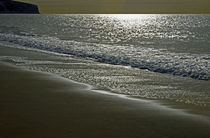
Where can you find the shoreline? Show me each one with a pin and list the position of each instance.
(23, 55)
(164, 105)
(39, 105)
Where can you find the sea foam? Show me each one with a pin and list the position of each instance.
(196, 66)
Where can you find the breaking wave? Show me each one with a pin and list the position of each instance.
(196, 66)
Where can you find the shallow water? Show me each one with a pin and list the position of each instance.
(172, 44)
(146, 56)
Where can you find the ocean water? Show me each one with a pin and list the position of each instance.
(147, 56)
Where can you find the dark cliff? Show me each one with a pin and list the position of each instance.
(8, 6)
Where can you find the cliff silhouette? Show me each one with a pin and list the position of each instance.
(9, 6)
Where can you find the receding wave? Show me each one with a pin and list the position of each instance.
(196, 66)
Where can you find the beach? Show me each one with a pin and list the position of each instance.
(41, 105)
(104, 76)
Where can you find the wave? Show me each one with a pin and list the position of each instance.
(196, 66)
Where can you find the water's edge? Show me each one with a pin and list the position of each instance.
(159, 102)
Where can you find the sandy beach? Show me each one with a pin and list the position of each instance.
(105, 76)
(41, 105)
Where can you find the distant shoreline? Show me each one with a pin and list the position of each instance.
(15, 7)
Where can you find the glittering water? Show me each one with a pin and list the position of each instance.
(118, 47)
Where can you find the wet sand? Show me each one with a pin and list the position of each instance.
(34, 104)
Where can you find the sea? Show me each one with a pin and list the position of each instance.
(164, 57)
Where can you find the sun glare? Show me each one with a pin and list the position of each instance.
(131, 19)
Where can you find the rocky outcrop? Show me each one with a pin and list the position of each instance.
(9, 6)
